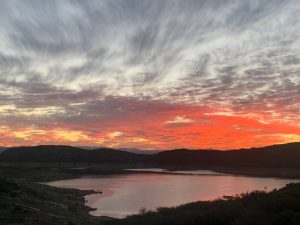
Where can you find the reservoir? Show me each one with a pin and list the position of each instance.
(126, 194)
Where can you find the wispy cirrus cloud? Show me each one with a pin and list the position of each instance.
(99, 66)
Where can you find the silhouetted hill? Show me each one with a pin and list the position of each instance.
(285, 155)
(275, 156)
(56, 153)
(139, 151)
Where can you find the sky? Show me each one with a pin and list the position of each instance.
(150, 74)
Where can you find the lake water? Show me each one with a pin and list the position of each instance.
(127, 193)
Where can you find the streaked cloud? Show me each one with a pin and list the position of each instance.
(114, 134)
(160, 73)
(179, 120)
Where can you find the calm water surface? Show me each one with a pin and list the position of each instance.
(126, 194)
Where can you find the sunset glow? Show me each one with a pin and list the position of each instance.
(150, 74)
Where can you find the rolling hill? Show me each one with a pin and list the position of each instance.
(284, 155)
(60, 153)
(275, 156)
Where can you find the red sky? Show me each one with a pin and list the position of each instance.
(150, 74)
(153, 125)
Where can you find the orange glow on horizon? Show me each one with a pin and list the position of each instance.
(183, 128)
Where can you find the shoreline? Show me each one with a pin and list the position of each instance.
(32, 177)
(181, 173)
(47, 173)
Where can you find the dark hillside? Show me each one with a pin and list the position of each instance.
(276, 156)
(55, 154)
(25, 203)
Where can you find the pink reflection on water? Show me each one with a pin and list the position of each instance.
(126, 194)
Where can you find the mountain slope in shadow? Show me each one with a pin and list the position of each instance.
(275, 156)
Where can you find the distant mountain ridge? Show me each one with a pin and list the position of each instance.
(283, 155)
(139, 151)
(275, 156)
(132, 150)
(61, 153)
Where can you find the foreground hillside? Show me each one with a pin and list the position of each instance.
(276, 156)
(280, 207)
(36, 204)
